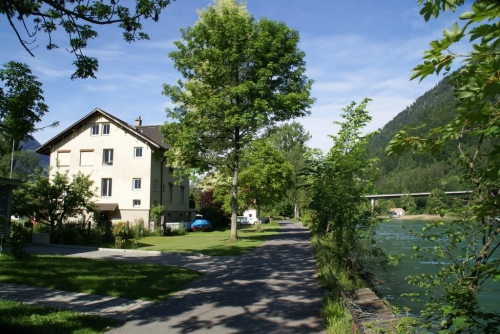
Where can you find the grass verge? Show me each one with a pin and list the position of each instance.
(16, 317)
(336, 316)
(213, 243)
(101, 277)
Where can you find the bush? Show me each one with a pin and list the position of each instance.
(139, 231)
(68, 235)
(17, 240)
(97, 236)
(306, 219)
(180, 231)
(120, 231)
(40, 228)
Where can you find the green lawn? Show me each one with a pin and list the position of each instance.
(16, 317)
(101, 277)
(213, 243)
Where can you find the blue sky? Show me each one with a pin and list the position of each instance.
(354, 49)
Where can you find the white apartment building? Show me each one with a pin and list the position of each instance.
(126, 163)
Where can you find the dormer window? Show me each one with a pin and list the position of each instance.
(105, 129)
(94, 130)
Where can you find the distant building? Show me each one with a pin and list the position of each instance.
(397, 212)
(126, 163)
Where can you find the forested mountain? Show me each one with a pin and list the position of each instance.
(423, 172)
(25, 159)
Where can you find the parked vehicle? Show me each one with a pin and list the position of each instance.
(201, 225)
(251, 215)
(242, 220)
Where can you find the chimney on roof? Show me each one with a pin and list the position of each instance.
(138, 121)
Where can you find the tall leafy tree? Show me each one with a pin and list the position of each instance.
(21, 102)
(78, 18)
(265, 177)
(53, 201)
(290, 139)
(451, 295)
(338, 183)
(241, 75)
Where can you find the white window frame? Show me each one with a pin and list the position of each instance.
(136, 151)
(136, 203)
(137, 184)
(106, 126)
(94, 130)
(108, 188)
(105, 161)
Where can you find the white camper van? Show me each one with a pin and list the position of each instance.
(251, 215)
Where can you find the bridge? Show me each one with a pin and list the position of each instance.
(448, 193)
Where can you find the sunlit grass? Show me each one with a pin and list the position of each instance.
(101, 277)
(213, 243)
(16, 317)
(336, 316)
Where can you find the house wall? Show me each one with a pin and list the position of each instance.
(168, 193)
(84, 151)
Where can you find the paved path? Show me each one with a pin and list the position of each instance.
(272, 289)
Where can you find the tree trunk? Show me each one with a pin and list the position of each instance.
(234, 198)
(258, 212)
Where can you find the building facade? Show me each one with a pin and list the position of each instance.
(126, 163)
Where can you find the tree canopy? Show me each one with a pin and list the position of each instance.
(21, 102)
(290, 140)
(338, 183)
(78, 18)
(52, 201)
(467, 259)
(241, 75)
(266, 175)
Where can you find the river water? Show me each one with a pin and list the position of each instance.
(394, 239)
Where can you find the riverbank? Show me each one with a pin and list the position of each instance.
(419, 217)
(426, 217)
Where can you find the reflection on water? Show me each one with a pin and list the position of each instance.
(394, 239)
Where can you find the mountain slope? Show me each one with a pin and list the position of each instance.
(422, 172)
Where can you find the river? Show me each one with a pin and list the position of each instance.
(394, 239)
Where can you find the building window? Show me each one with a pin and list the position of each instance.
(182, 194)
(163, 188)
(170, 192)
(137, 203)
(137, 184)
(105, 130)
(106, 187)
(107, 156)
(86, 157)
(156, 185)
(137, 152)
(94, 130)
(63, 158)
(155, 203)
